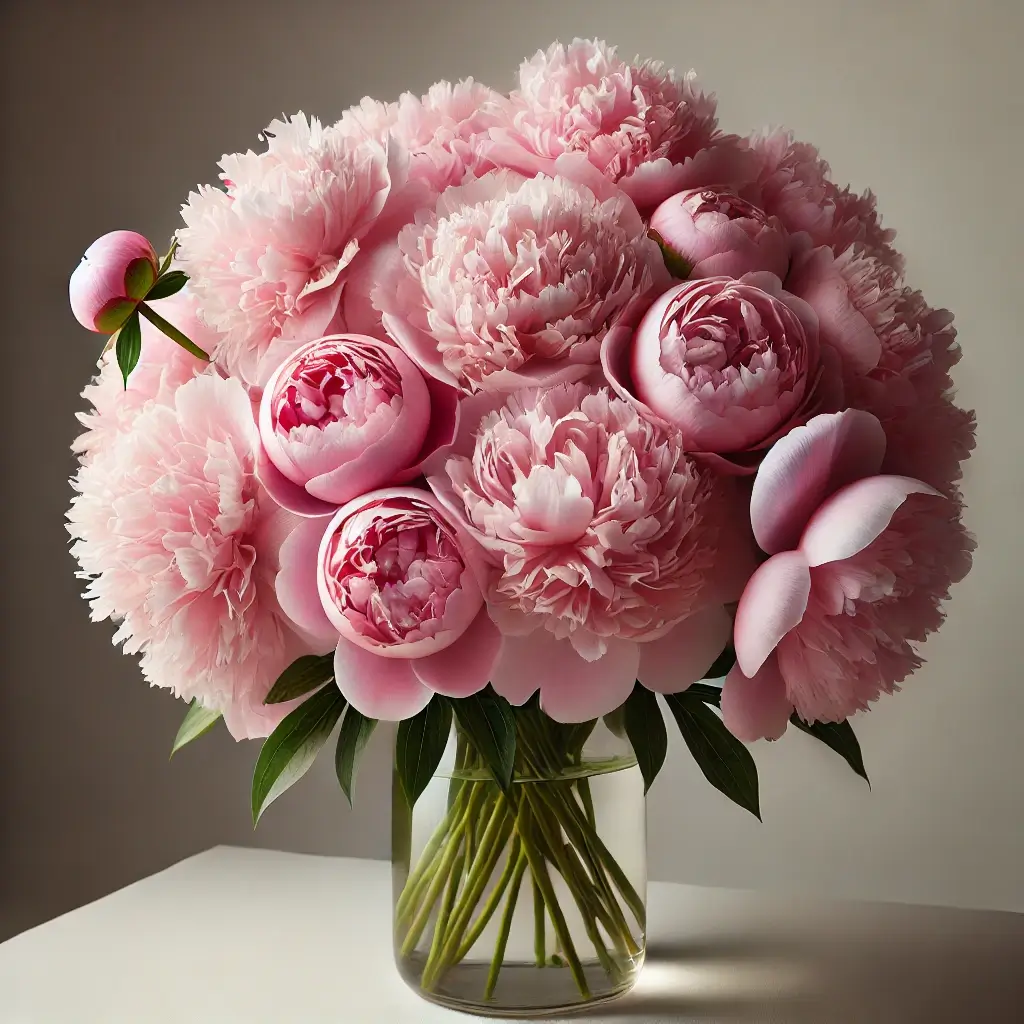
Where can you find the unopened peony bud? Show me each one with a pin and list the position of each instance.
(116, 273)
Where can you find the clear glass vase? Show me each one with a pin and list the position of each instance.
(530, 903)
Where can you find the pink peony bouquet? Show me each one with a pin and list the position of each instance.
(538, 403)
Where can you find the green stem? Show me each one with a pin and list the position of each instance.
(171, 331)
(436, 883)
(539, 924)
(506, 925)
(540, 875)
(441, 923)
(487, 911)
(432, 852)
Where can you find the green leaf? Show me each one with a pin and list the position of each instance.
(645, 727)
(675, 262)
(167, 284)
(165, 263)
(139, 276)
(197, 722)
(356, 730)
(840, 737)
(301, 676)
(488, 721)
(615, 723)
(724, 760)
(723, 663)
(420, 743)
(129, 346)
(707, 694)
(292, 747)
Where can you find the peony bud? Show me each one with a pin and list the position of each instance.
(116, 273)
(712, 232)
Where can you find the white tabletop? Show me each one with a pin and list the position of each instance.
(237, 936)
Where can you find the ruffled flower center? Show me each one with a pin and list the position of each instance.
(348, 384)
(723, 202)
(391, 573)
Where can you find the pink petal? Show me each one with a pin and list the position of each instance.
(686, 652)
(805, 467)
(383, 688)
(443, 427)
(287, 494)
(419, 346)
(773, 602)
(852, 518)
(758, 707)
(296, 584)
(464, 667)
(581, 690)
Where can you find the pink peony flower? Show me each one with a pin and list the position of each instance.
(345, 415)
(389, 580)
(180, 546)
(638, 124)
(598, 531)
(513, 283)
(438, 129)
(716, 233)
(163, 366)
(793, 184)
(267, 258)
(827, 624)
(911, 392)
(732, 365)
(114, 276)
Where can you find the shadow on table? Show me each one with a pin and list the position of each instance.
(972, 977)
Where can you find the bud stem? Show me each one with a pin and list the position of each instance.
(171, 331)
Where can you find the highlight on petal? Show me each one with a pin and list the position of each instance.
(685, 653)
(772, 604)
(757, 707)
(805, 467)
(287, 494)
(383, 688)
(465, 667)
(853, 517)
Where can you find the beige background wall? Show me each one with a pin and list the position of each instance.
(111, 111)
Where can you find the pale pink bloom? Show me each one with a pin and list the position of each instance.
(389, 580)
(911, 392)
(598, 530)
(268, 257)
(115, 273)
(344, 415)
(732, 365)
(180, 545)
(437, 129)
(638, 124)
(718, 234)
(793, 184)
(828, 623)
(163, 366)
(513, 282)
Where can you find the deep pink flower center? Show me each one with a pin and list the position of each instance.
(336, 383)
(715, 333)
(390, 570)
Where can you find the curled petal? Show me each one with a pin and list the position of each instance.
(805, 467)
(287, 494)
(853, 517)
(757, 707)
(383, 688)
(684, 654)
(296, 585)
(465, 667)
(772, 604)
